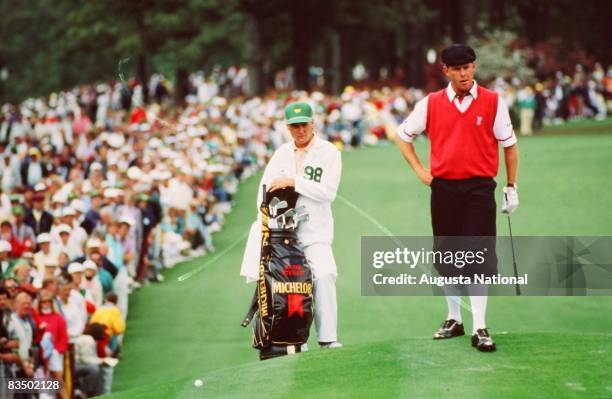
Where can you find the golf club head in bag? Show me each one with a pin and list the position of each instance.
(282, 307)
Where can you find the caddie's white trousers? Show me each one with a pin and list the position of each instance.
(321, 260)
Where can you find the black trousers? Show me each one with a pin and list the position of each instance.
(462, 208)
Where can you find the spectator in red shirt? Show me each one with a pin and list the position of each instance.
(51, 325)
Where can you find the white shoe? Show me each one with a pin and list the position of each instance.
(331, 345)
(304, 347)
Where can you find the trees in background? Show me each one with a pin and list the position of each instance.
(50, 45)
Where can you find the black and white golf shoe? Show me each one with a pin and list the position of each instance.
(450, 329)
(483, 341)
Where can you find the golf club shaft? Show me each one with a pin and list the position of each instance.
(518, 289)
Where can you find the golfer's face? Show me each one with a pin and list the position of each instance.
(302, 133)
(461, 76)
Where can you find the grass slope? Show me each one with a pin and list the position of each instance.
(548, 346)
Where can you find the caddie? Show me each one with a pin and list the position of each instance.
(312, 166)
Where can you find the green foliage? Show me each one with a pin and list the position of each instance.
(54, 44)
(496, 57)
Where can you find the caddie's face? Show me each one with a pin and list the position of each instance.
(302, 133)
(461, 76)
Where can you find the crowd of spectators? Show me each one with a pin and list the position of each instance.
(558, 99)
(101, 191)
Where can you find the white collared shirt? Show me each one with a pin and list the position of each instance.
(416, 122)
(464, 103)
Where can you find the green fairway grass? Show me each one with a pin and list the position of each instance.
(548, 347)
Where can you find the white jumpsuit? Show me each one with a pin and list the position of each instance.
(317, 182)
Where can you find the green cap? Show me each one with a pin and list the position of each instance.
(298, 113)
(18, 210)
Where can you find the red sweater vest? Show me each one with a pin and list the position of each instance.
(463, 145)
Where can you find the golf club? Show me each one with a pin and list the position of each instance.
(518, 289)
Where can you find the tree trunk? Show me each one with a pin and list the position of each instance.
(347, 59)
(333, 72)
(415, 56)
(253, 54)
(182, 77)
(457, 21)
(301, 42)
(143, 78)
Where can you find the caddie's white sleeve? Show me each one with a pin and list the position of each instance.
(325, 190)
(502, 126)
(268, 176)
(415, 123)
(252, 254)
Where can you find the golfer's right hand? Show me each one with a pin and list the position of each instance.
(425, 177)
(510, 200)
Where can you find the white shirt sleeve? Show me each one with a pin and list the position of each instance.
(270, 173)
(415, 123)
(502, 127)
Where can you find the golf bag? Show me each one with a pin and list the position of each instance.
(282, 305)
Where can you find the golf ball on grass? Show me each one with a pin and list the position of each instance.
(198, 383)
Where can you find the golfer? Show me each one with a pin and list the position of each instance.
(312, 166)
(465, 124)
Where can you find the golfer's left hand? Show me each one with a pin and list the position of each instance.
(510, 200)
(281, 182)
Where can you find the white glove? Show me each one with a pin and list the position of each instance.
(510, 201)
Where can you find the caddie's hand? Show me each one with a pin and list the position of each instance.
(510, 200)
(425, 177)
(281, 182)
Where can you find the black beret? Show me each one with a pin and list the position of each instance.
(458, 54)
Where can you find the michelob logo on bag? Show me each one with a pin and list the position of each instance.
(292, 288)
(263, 292)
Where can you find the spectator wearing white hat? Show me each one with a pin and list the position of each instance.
(79, 207)
(50, 270)
(46, 254)
(91, 283)
(57, 202)
(179, 189)
(106, 278)
(31, 167)
(60, 236)
(78, 235)
(96, 170)
(130, 210)
(71, 303)
(96, 250)
(6, 263)
(11, 176)
(21, 272)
